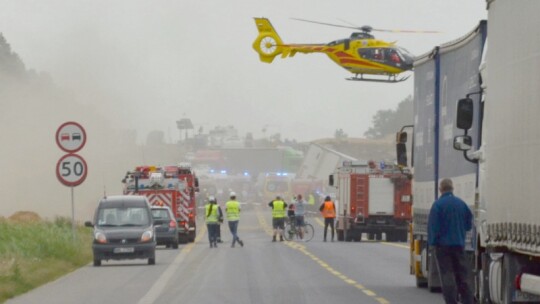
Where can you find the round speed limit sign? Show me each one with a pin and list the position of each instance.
(71, 170)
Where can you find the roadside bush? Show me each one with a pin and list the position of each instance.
(33, 253)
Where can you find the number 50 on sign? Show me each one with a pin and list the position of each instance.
(71, 170)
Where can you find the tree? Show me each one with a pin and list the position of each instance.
(340, 134)
(10, 63)
(387, 122)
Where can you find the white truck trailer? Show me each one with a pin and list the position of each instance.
(508, 150)
(441, 77)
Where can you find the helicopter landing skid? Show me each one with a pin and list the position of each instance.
(391, 79)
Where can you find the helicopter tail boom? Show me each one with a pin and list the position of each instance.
(268, 44)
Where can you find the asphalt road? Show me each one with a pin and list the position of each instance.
(315, 272)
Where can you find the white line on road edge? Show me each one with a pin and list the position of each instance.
(162, 281)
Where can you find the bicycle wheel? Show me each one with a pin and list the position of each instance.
(309, 232)
(289, 232)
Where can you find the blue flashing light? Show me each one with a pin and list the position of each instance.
(278, 174)
(223, 171)
(246, 174)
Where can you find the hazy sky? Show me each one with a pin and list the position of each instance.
(147, 63)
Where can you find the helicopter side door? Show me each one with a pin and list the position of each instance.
(388, 56)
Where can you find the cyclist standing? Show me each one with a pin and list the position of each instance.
(299, 213)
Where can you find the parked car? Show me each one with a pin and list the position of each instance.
(165, 226)
(123, 229)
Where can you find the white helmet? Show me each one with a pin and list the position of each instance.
(232, 194)
(211, 198)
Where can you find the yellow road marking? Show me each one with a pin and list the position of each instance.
(301, 248)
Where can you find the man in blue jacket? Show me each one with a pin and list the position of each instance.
(449, 220)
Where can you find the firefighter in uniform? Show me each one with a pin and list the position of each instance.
(328, 210)
(278, 217)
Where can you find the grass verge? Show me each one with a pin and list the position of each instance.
(34, 253)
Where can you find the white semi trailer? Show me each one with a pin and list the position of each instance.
(508, 154)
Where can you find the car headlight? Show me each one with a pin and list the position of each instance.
(147, 236)
(100, 237)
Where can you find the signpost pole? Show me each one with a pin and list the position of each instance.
(71, 169)
(73, 227)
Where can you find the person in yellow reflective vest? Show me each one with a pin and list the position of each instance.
(278, 217)
(311, 199)
(232, 209)
(212, 215)
(328, 210)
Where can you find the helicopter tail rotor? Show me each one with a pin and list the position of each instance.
(268, 44)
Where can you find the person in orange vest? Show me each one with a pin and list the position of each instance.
(328, 210)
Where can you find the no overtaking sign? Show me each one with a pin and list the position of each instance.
(71, 169)
(70, 137)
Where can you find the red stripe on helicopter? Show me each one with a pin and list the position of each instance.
(343, 54)
(358, 62)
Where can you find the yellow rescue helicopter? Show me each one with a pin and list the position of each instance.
(360, 54)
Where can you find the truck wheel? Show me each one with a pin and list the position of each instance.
(191, 237)
(371, 236)
(183, 239)
(97, 262)
(403, 236)
(390, 236)
(340, 235)
(482, 280)
(174, 244)
(421, 282)
(151, 261)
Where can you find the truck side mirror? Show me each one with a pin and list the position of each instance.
(464, 113)
(331, 180)
(401, 153)
(401, 137)
(463, 142)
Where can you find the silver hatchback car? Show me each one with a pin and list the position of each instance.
(165, 226)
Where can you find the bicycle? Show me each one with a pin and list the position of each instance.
(291, 230)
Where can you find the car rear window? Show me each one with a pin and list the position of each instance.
(160, 214)
(123, 216)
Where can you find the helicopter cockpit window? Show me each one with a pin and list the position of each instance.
(377, 54)
(394, 56)
(405, 53)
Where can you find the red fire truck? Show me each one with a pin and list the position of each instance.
(173, 186)
(372, 199)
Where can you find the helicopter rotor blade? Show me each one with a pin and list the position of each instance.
(406, 31)
(367, 28)
(329, 24)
